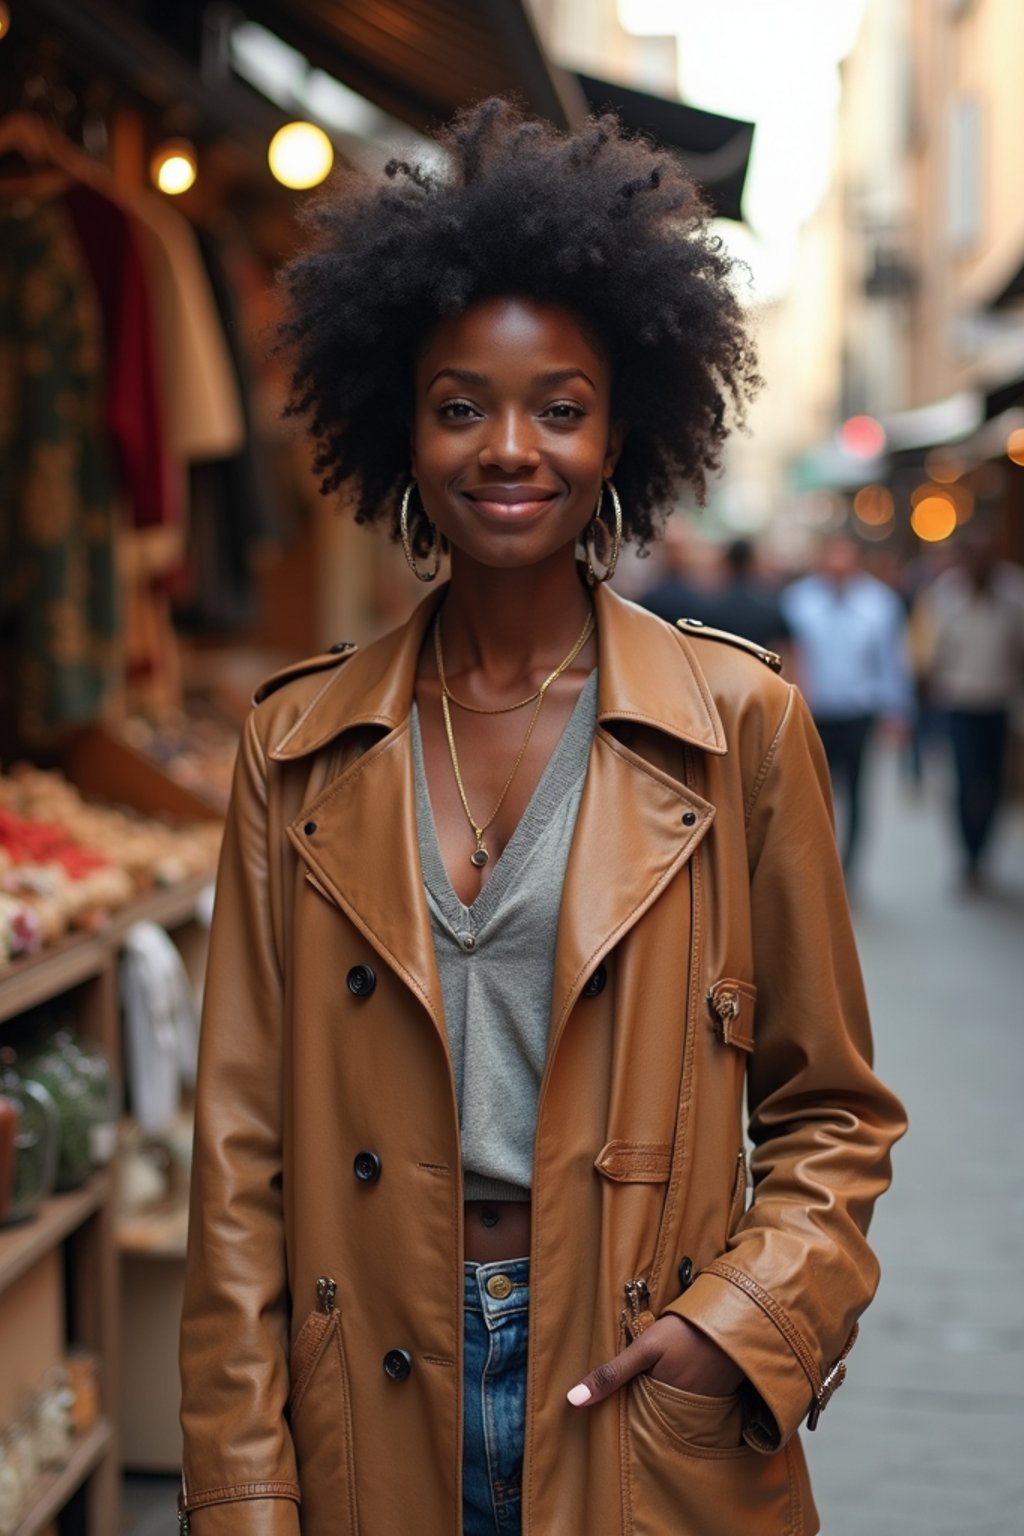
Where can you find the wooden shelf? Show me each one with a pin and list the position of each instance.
(55, 1488)
(78, 957)
(23, 1245)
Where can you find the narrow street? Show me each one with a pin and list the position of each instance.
(926, 1438)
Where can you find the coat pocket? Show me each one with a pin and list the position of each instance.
(689, 1469)
(732, 1004)
(319, 1412)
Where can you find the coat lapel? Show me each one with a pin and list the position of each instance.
(637, 823)
(358, 837)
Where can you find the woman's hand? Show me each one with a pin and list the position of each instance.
(671, 1350)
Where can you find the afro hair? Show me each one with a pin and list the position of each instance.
(598, 221)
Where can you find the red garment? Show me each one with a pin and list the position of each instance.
(135, 410)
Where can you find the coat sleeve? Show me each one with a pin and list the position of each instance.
(784, 1298)
(235, 1321)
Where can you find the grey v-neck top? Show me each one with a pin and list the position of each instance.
(496, 960)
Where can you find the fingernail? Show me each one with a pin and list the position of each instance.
(579, 1395)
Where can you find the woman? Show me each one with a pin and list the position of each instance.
(513, 906)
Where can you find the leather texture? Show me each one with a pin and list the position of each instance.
(703, 877)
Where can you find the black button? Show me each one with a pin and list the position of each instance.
(685, 1273)
(339, 646)
(689, 818)
(596, 983)
(366, 1167)
(397, 1364)
(309, 828)
(361, 981)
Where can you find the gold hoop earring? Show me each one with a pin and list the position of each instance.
(611, 542)
(418, 572)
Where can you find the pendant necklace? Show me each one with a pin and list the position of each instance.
(480, 855)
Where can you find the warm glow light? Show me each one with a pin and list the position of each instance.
(173, 167)
(862, 436)
(933, 518)
(300, 155)
(943, 467)
(874, 506)
(1015, 445)
(5, 19)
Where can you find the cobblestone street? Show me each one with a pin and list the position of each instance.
(926, 1437)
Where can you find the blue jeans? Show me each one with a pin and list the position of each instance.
(494, 1397)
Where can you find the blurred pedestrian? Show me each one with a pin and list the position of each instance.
(970, 623)
(528, 920)
(745, 604)
(676, 595)
(849, 630)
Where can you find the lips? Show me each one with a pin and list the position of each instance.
(510, 502)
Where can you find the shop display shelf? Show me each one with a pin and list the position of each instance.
(78, 957)
(55, 1488)
(23, 1245)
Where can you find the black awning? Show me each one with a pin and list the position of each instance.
(418, 60)
(1011, 292)
(421, 60)
(716, 149)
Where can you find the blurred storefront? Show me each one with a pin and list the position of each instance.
(162, 546)
(928, 224)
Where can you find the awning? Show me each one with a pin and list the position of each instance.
(716, 149)
(934, 425)
(420, 60)
(1011, 291)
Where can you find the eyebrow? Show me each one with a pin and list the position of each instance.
(481, 380)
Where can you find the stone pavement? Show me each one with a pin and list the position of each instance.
(926, 1437)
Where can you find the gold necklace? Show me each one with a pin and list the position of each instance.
(480, 854)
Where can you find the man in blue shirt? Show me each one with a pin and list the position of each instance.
(849, 631)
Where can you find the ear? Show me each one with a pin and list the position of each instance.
(616, 438)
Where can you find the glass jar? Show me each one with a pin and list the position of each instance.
(83, 1373)
(96, 1072)
(21, 1453)
(54, 1067)
(12, 1493)
(36, 1139)
(52, 1413)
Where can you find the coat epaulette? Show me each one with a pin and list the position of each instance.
(330, 658)
(704, 632)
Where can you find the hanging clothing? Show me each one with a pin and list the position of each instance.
(204, 412)
(60, 505)
(230, 506)
(136, 416)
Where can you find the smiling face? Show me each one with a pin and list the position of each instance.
(512, 433)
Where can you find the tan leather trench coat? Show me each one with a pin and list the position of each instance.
(704, 950)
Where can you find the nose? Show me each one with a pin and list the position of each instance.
(510, 444)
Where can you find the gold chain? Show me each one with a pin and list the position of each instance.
(480, 854)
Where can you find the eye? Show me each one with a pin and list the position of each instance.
(565, 410)
(457, 410)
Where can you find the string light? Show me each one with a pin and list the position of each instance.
(300, 155)
(874, 506)
(5, 19)
(1015, 446)
(173, 167)
(934, 516)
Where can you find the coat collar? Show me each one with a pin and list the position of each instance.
(647, 675)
